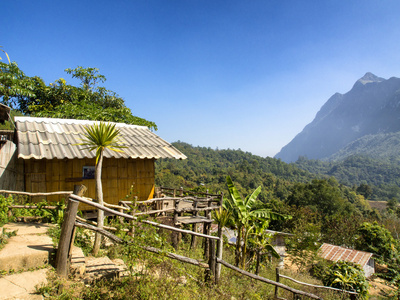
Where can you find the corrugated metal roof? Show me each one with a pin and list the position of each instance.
(46, 138)
(335, 253)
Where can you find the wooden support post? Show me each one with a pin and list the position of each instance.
(207, 229)
(181, 191)
(67, 236)
(212, 259)
(176, 237)
(220, 245)
(277, 280)
(176, 207)
(206, 242)
(194, 228)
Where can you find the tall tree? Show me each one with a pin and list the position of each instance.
(99, 137)
(14, 85)
(31, 96)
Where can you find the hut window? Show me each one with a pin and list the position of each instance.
(88, 172)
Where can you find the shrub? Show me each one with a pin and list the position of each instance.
(4, 203)
(346, 276)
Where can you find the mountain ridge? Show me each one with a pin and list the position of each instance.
(371, 107)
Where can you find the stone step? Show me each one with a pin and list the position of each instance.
(103, 267)
(22, 285)
(30, 248)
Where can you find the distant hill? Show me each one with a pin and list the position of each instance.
(382, 175)
(384, 146)
(207, 168)
(364, 120)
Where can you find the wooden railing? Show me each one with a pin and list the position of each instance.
(213, 270)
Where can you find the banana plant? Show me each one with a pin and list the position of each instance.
(245, 217)
(261, 241)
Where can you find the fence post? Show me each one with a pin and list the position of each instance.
(220, 245)
(176, 236)
(210, 273)
(277, 280)
(67, 230)
(194, 226)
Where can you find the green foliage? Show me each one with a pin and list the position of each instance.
(14, 84)
(247, 219)
(4, 203)
(374, 178)
(376, 239)
(88, 76)
(31, 96)
(322, 195)
(346, 276)
(209, 168)
(307, 237)
(102, 136)
(4, 235)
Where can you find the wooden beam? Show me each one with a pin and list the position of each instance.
(147, 248)
(318, 286)
(35, 194)
(94, 204)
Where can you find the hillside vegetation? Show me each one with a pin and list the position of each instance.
(206, 168)
(380, 176)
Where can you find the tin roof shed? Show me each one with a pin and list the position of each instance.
(47, 138)
(336, 253)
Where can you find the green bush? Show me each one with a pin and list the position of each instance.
(346, 276)
(4, 203)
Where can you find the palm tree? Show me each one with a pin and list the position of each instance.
(245, 218)
(100, 136)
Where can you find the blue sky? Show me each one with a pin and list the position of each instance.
(221, 74)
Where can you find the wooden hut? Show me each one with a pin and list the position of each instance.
(52, 160)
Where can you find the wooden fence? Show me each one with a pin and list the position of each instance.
(212, 267)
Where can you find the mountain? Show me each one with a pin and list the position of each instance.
(371, 107)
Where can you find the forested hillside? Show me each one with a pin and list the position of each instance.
(207, 168)
(381, 176)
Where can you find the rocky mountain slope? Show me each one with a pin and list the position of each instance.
(371, 107)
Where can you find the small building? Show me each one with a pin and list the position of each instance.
(335, 253)
(277, 241)
(47, 159)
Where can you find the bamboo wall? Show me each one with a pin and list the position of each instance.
(11, 169)
(117, 177)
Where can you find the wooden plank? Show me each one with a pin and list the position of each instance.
(193, 220)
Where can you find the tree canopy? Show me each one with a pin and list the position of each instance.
(32, 96)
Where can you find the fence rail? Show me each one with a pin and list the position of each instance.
(214, 257)
(35, 194)
(278, 276)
